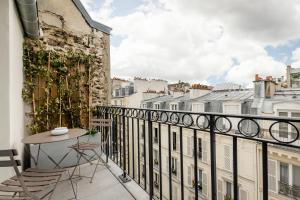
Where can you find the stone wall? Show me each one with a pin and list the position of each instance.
(64, 28)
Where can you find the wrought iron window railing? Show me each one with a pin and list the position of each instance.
(132, 126)
(289, 190)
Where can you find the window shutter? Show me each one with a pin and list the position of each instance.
(227, 157)
(204, 184)
(272, 175)
(243, 194)
(189, 176)
(220, 189)
(188, 146)
(204, 151)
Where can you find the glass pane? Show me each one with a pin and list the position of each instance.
(296, 175)
(228, 188)
(284, 173)
(294, 131)
(283, 127)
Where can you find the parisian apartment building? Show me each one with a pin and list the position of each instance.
(268, 97)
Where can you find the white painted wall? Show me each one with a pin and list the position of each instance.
(11, 80)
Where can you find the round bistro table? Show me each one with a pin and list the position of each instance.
(46, 137)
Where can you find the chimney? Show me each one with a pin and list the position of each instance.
(198, 90)
(264, 88)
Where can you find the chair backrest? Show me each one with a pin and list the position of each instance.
(95, 123)
(11, 162)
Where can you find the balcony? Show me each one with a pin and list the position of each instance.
(289, 190)
(258, 132)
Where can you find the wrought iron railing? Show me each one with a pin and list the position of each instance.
(130, 124)
(289, 190)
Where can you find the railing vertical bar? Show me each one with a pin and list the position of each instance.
(235, 168)
(133, 153)
(145, 158)
(160, 164)
(150, 146)
(120, 140)
(170, 167)
(195, 164)
(124, 144)
(181, 164)
(265, 170)
(107, 142)
(213, 169)
(138, 146)
(128, 147)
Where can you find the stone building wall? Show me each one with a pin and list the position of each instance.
(64, 28)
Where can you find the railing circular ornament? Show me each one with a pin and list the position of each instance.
(119, 111)
(154, 116)
(273, 134)
(247, 134)
(202, 126)
(135, 113)
(109, 111)
(174, 118)
(129, 112)
(187, 120)
(163, 117)
(141, 114)
(147, 115)
(226, 129)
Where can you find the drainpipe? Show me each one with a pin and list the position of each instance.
(29, 17)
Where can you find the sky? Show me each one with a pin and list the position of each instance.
(208, 42)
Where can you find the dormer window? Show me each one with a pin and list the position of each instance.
(174, 106)
(144, 105)
(157, 106)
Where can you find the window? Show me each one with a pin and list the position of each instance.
(284, 173)
(155, 135)
(156, 106)
(174, 106)
(156, 180)
(229, 191)
(174, 166)
(200, 148)
(289, 179)
(227, 157)
(287, 131)
(174, 141)
(155, 157)
(200, 180)
(283, 127)
(144, 105)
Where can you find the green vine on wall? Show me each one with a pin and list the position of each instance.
(57, 86)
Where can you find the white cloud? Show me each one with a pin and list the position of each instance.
(176, 40)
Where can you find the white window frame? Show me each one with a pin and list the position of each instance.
(174, 106)
(289, 114)
(157, 106)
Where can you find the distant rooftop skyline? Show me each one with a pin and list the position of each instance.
(202, 41)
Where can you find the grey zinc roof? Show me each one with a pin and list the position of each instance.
(230, 95)
(287, 94)
(160, 98)
(89, 20)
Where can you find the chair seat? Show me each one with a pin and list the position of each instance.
(85, 146)
(35, 180)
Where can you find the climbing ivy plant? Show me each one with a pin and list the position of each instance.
(56, 86)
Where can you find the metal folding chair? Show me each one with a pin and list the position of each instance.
(35, 184)
(82, 147)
